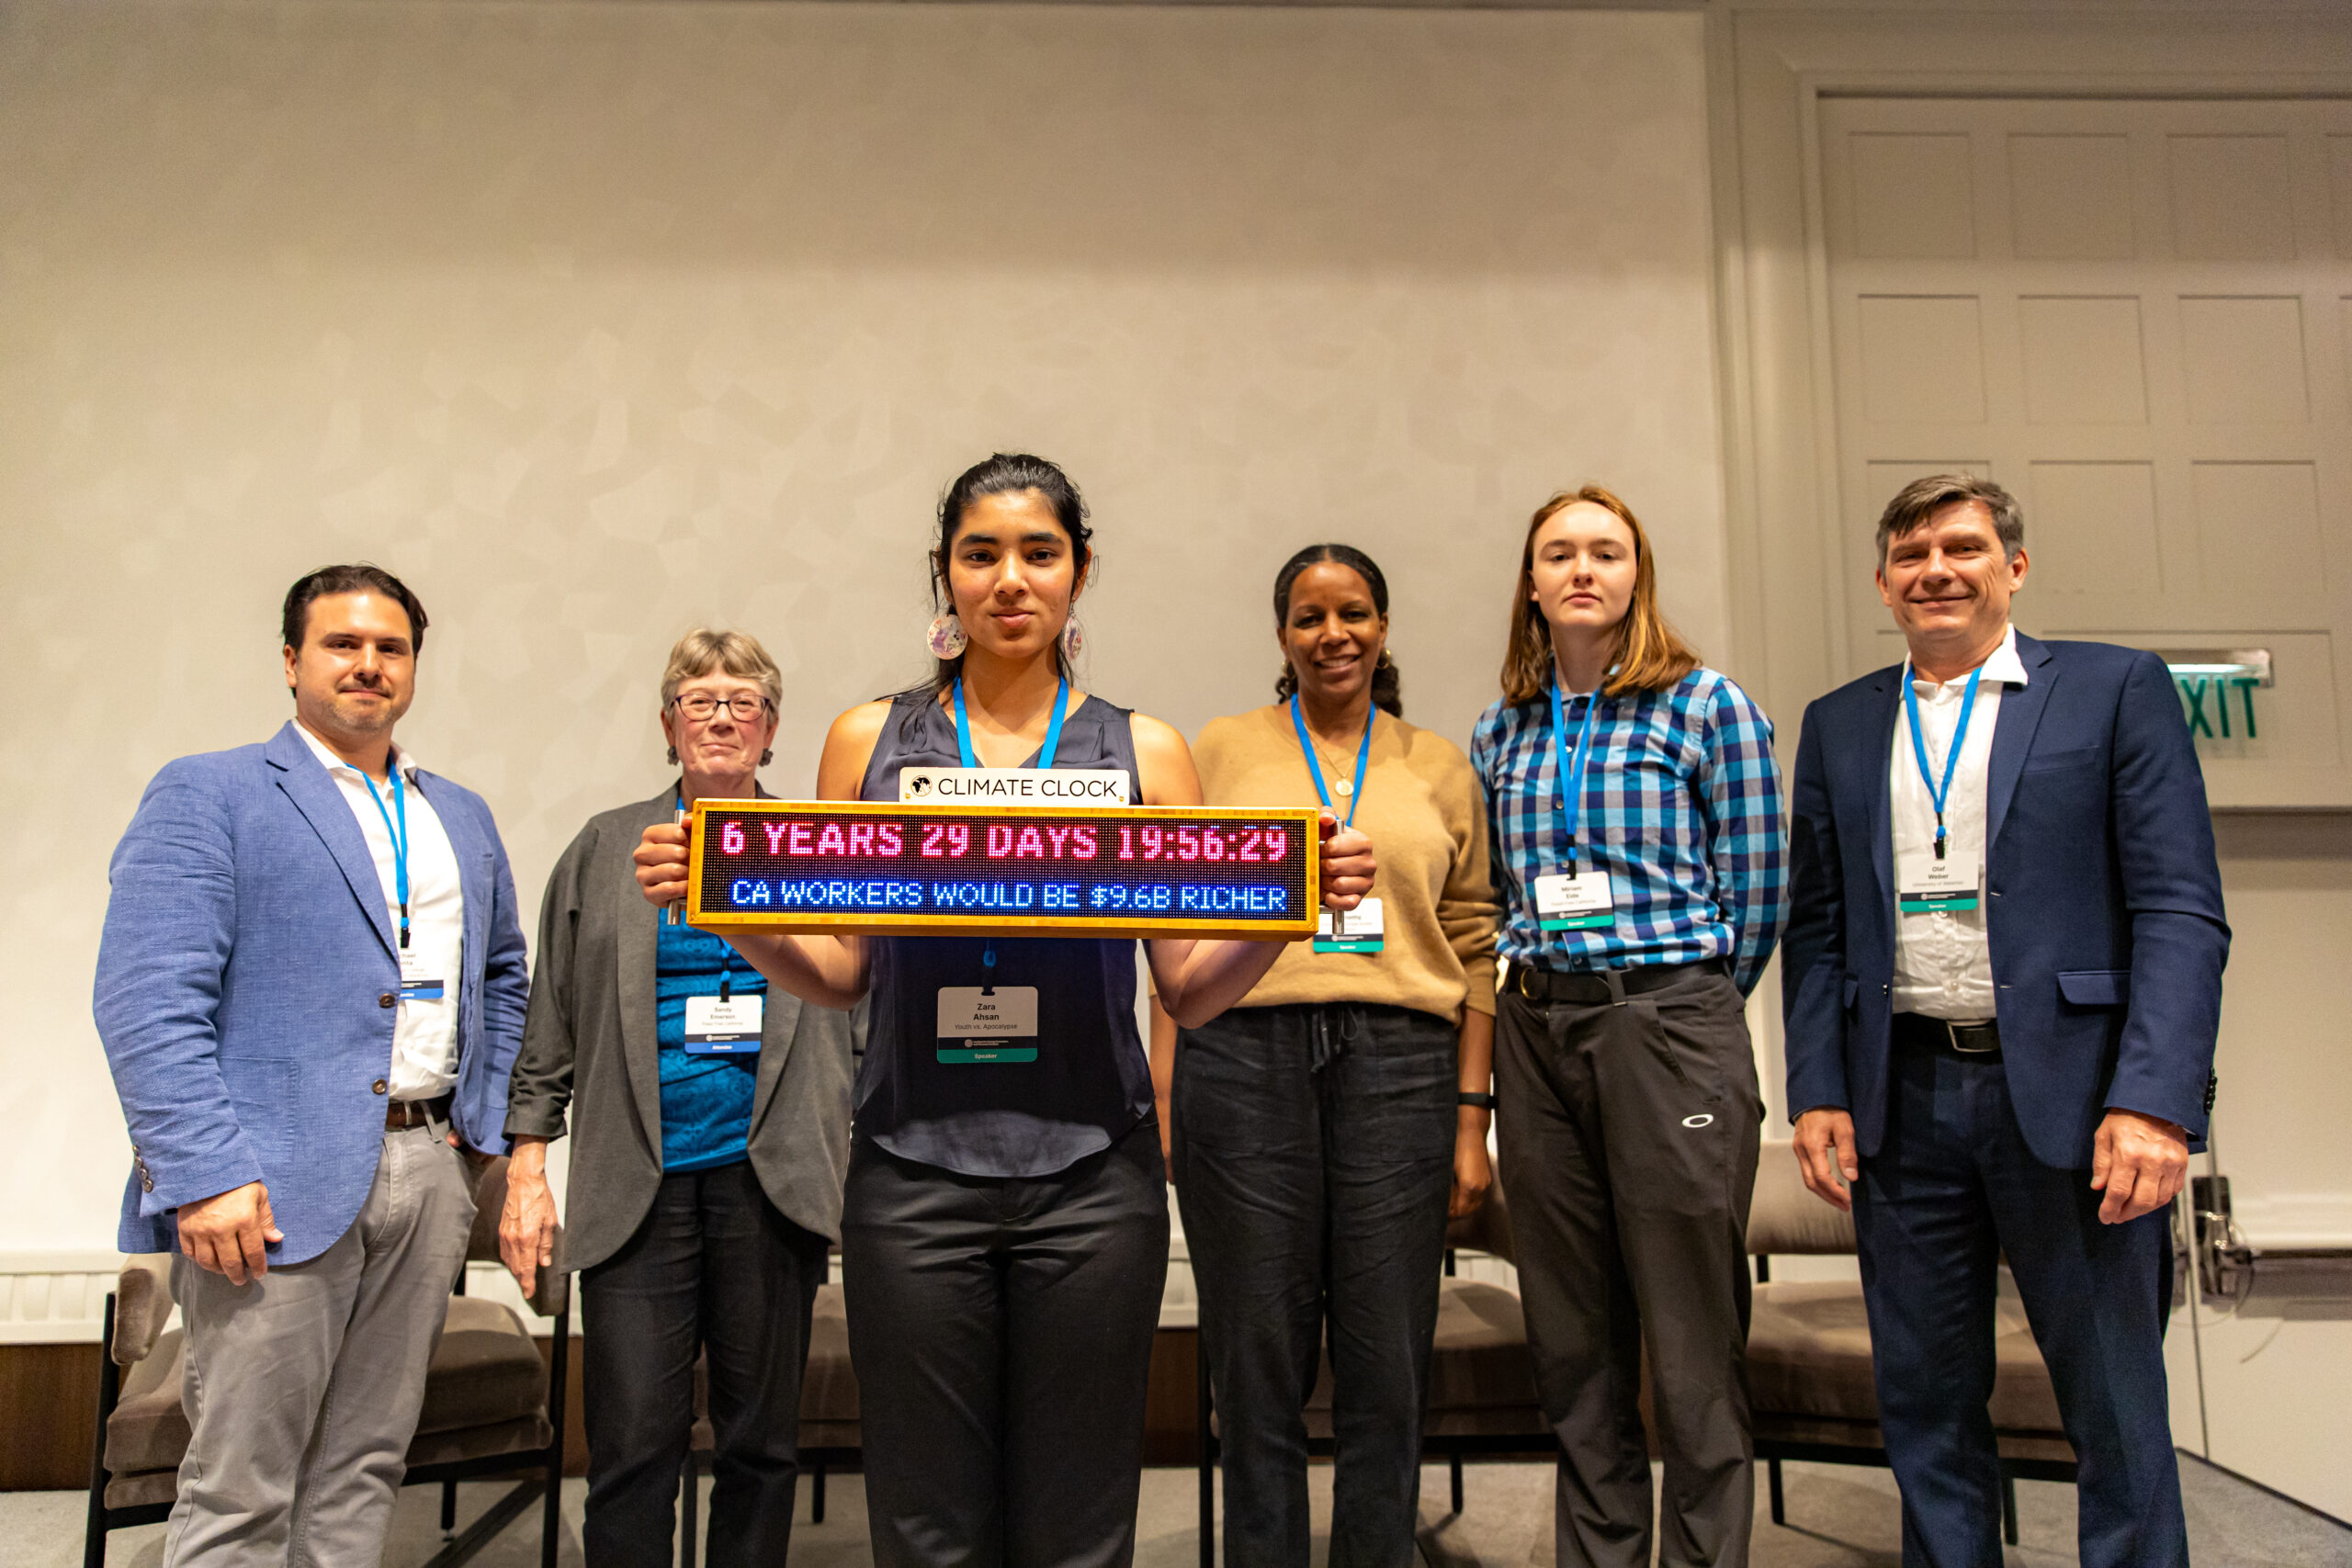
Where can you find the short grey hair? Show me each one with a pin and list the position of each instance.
(1923, 498)
(702, 651)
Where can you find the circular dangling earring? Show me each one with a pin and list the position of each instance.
(1073, 641)
(946, 636)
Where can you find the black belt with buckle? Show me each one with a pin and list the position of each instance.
(405, 1114)
(1968, 1042)
(1595, 988)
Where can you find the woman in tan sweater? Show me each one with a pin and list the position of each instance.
(1325, 1126)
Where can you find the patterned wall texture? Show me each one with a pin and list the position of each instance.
(600, 321)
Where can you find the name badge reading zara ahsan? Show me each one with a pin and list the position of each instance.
(1012, 786)
(1925, 885)
(996, 1023)
(1578, 903)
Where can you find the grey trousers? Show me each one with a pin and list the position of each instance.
(1627, 1129)
(303, 1386)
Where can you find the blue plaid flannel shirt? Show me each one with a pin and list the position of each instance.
(1683, 807)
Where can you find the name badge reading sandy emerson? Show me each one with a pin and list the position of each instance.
(1359, 930)
(988, 1024)
(1925, 885)
(1578, 903)
(724, 1026)
(1012, 786)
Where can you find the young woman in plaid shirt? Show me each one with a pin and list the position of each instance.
(1634, 811)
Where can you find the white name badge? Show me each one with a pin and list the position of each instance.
(1578, 903)
(1359, 930)
(417, 984)
(996, 1024)
(728, 1028)
(1925, 885)
(1012, 786)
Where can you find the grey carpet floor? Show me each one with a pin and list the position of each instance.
(1839, 1517)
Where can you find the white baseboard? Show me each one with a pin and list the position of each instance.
(54, 1298)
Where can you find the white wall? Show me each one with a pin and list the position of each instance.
(596, 321)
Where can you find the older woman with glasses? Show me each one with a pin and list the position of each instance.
(710, 1116)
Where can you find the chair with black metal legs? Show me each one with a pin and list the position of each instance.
(492, 1406)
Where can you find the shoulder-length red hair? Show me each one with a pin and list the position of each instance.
(1650, 656)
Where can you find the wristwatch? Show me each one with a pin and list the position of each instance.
(1483, 1101)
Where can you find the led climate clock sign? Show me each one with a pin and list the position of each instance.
(938, 870)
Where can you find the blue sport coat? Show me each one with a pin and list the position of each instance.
(2103, 908)
(245, 991)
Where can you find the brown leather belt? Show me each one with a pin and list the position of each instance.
(1594, 988)
(401, 1114)
(1967, 1042)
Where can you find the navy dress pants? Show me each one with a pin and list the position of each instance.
(1953, 1190)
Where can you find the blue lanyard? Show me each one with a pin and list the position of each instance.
(1572, 764)
(1364, 756)
(398, 836)
(1053, 727)
(1951, 758)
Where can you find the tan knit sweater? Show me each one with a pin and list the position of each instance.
(1421, 807)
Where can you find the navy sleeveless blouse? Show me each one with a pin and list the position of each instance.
(1091, 1084)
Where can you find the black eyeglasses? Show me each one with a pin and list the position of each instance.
(700, 705)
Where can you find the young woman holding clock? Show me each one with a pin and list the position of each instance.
(1005, 1229)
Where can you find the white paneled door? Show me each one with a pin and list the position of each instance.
(2134, 315)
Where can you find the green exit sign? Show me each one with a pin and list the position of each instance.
(2217, 687)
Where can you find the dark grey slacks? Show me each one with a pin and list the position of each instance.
(1001, 1331)
(1310, 1194)
(1627, 1131)
(714, 1268)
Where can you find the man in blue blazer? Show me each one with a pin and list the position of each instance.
(311, 988)
(2002, 982)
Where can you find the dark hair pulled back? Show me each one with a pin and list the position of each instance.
(360, 576)
(1388, 688)
(1006, 473)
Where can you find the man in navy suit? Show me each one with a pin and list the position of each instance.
(2002, 981)
(311, 988)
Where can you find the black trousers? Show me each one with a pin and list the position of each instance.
(1952, 1189)
(1001, 1331)
(714, 1268)
(1315, 1195)
(1628, 1133)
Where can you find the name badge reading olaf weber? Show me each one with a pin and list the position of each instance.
(1012, 786)
(987, 1023)
(1925, 885)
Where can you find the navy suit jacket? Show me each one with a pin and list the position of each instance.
(241, 981)
(2103, 900)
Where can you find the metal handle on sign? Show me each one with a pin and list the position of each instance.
(677, 912)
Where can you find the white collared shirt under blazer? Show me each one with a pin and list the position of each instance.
(1944, 961)
(424, 1034)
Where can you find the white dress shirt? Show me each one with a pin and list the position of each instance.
(1944, 961)
(425, 1033)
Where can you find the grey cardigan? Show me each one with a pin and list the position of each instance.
(589, 1047)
